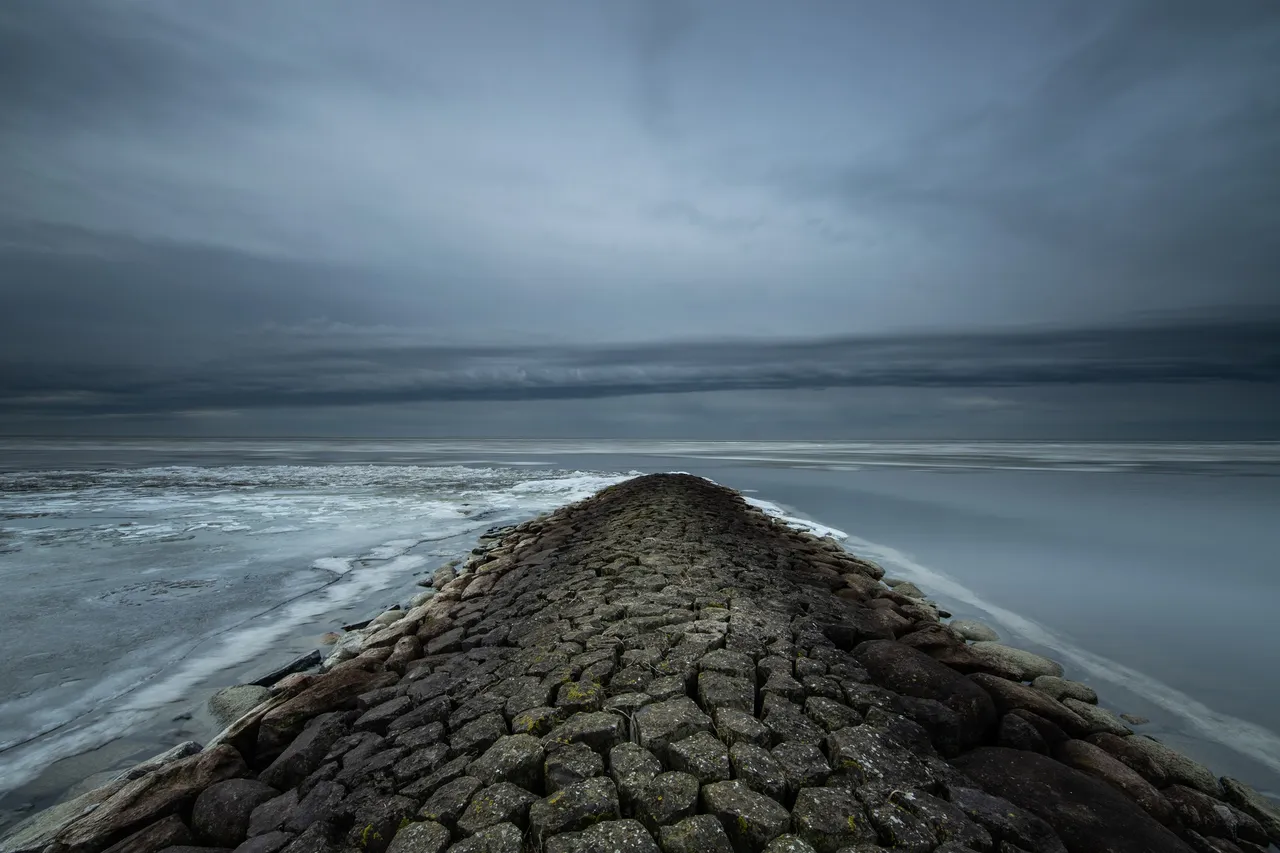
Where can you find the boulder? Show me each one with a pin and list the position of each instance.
(574, 808)
(910, 672)
(221, 814)
(829, 819)
(512, 758)
(614, 836)
(231, 703)
(698, 834)
(1249, 801)
(1096, 761)
(336, 691)
(971, 629)
(1098, 719)
(1213, 817)
(663, 723)
(158, 794)
(1160, 764)
(1023, 665)
(751, 820)
(169, 832)
(1061, 688)
(1084, 811)
(306, 753)
(667, 799)
(423, 837)
(1010, 695)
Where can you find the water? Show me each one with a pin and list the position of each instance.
(141, 575)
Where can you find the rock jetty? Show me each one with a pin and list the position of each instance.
(664, 668)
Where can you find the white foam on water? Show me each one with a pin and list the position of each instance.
(775, 511)
(1248, 739)
(337, 565)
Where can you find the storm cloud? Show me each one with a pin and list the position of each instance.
(294, 205)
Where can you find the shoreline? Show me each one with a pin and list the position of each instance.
(847, 610)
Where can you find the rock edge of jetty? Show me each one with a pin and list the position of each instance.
(662, 667)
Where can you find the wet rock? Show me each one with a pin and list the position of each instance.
(698, 834)
(231, 703)
(751, 820)
(901, 830)
(787, 722)
(788, 844)
(1052, 733)
(569, 764)
(377, 718)
(449, 801)
(701, 756)
(574, 808)
(272, 814)
(220, 817)
(272, 842)
(1016, 733)
(503, 838)
(424, 837)
(666, 687)
(1175, 766)
(512, 758)
(912, 673)
(946, 822)
(668, 798)
(419, 763)
(830, 819)
(1084, 811)
(1009, 695)
(153, 796)
(1096, 761)
(1061, 688)
(971, 629)
(756, 768)
(500, 803)
(1098, 719)
(1266, 812)
(632, 767)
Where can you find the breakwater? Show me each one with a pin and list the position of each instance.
(662, 667)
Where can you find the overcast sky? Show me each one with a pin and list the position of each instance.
(203, 201)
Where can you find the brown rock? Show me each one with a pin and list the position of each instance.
(156, 795)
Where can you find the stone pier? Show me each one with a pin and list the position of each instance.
(663, 667)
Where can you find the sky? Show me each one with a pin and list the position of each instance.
(322, 216)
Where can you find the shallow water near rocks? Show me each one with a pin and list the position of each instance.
(140, 576)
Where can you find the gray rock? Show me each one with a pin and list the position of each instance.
(169, 832)
(450, 800)
(569, 764)
(734, 726)
(908, 589)
(599, 730)
(272, 842)
(717, 690)
(862, 754)
(972, 629)
(424, 837)
(831, 714)
(701, 756)
(756, 768)
(512, 758)
(537, 721)
(735, 664)
(831, 818)
(668, 798)
(1061, 688)
(803, 765)
(305, 754)
(420, 763)
(750, 819)
(902, 830)
(1016, 733)
(272, 814)
(1022, 665)
(946, 822)
(1135, 719)
(789, 844)
(221, 813)
(500, 803)
(503, 838)
(1249, 801)
(478, 735)
(663, 723)
(442, 775)
(231, 703)
(610, 836)
(698, 834)
(573, 808)
(1098, 719)
(1010, 695)
(1098, 762)
(1176, 766)
(1006, 822)
(632, 767)
(666, 687)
